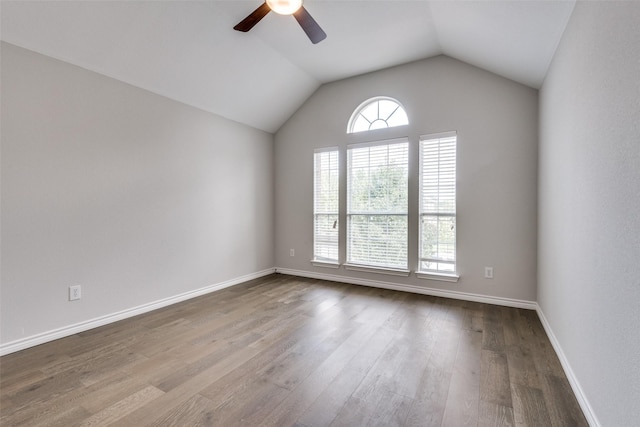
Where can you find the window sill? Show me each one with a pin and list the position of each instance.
(437, 276)
(326, 264)
(379, 270)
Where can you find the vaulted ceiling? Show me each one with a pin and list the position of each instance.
(188, 51)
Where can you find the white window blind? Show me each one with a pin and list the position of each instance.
(325, 206)
(438, 203)
(377, 204)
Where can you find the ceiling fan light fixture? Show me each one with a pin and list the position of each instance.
(284, 7)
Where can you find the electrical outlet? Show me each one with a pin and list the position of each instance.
(75, 293)
(292, 252)
(488, 272)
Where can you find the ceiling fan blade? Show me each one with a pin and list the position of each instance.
(250, 21)
(309, 25)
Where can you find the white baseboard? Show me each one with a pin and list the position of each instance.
(587, 410)
(507, 302)
(66, 331)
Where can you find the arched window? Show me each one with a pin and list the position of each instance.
(377, 113)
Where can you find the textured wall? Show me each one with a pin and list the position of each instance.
(496, 120)
(589, 247)
(131, 195)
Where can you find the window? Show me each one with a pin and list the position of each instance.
(438, 204)
(377, 113)
(377, 208)
(325, 206)
(377, 204)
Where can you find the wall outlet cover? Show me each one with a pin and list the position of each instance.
(488, 272)
(75, 293)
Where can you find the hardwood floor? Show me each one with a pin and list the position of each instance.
(287, 351)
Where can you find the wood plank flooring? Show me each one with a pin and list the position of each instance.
(288, 351)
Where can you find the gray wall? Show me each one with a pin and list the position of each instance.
(589, 220)
(496, 120)
(131, 195)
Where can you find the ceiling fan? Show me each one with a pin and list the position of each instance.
(285, 7)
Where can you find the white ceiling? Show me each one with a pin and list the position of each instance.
(188, 51)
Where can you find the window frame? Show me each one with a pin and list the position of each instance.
(438, 213)
(363, 106)
(323, 260)
(351, 213)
